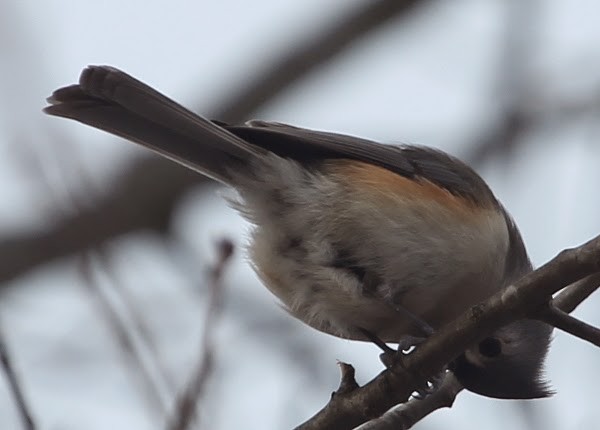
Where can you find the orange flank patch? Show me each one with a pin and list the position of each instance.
(379, 181)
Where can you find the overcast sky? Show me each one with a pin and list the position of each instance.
(430, 80)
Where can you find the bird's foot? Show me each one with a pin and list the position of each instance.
(390, 356)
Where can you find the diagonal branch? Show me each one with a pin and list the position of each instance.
(562, 320)
(143, 198)
(404, 416)
(146, 196)
(307, 56)
(131, 354)
(15, 386)
(408, 414)
(573, 295)
(523, 299)
(186, 405)
(139, 323)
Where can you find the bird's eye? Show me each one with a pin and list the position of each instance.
(490, 347)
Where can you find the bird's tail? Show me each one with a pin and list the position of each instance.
(111, 100)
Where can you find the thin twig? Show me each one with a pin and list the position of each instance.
(15, 386)
(512, 86)
(186, 405)
(152, 390)
(571, 325)
(132, 356)
(573, 295)
(139, 323)
(406, 415)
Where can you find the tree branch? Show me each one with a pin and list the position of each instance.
(132, 356)
(573, 295)
(137, 319)
(303, 59)
(404, 416)
(512, 86)
(132, 203)
(522, 300)
(186, 405)
(408, 414)
(570, 324)
(147, 195)
(15, 386)
(143, 198)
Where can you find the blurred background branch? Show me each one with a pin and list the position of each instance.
(537, 122)
(135, 360)
(186, 403)
(15, 385)
(146, 194)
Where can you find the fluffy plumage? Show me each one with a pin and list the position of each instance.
(345, 229)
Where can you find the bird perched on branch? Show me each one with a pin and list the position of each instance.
(357, 239)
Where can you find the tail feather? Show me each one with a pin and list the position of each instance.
(111, 100)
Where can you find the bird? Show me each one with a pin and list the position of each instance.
(358, 239)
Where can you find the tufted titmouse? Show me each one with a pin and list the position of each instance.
(357, 239)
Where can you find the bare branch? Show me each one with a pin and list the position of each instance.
(305, 57)
(523, 299)
(511, 84)
(15, 386)
(573, 295)
(146, 196)
(186, 405)
(138, 321)
(133, 357)
(570, 324)
(143, 198)
(405, 416)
